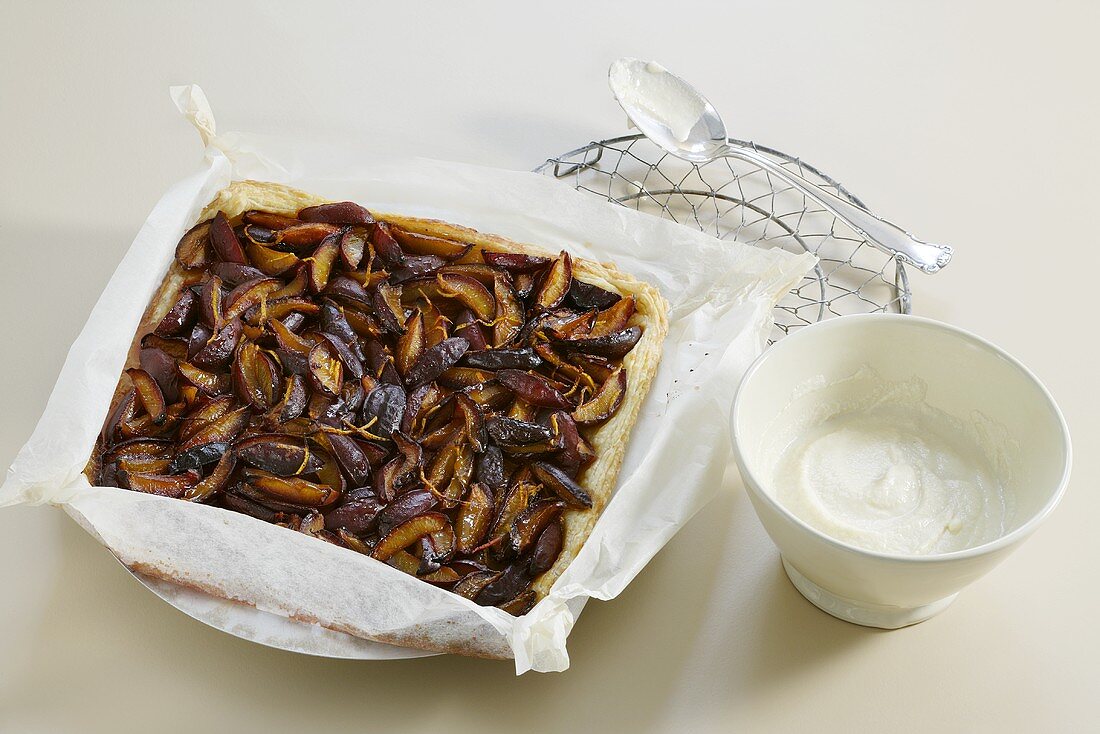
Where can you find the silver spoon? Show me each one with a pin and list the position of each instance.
(675, 116)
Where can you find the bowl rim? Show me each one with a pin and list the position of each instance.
(1008, 539)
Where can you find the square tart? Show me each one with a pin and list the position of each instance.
(608, 439)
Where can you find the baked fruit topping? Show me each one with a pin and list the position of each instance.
(405, 395)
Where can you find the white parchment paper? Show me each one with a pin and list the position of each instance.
(721, 295)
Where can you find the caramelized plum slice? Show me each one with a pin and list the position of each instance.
(222, 429)
(149, 394)
(269, 220)
(205, 414)
(533, 388)
(520, 604)
(473, 519)
(422, 244)
(181, 317)
(210, 302)
(515, 262)
(218, 351)
(469, 413)
(342, 212)
(472, 583)
(509, 321)
(440, 546)
(239, 503)
(175, 348)
(523, 358)
(614, 345)
(525, 285)
(508, 585)
(386, 246)
(421, 402)
(233, 274)
(162, 368)
(411, 344)
(404, 508)
(328, 473)
(280, 308)
(289, 341)
(256, 234)
(224, 241)
(214, 482)
(614, 319)
(490, 469)
(468, 327)
(256, 378)
(509, 432)
(278, 453)
(470, 292)
(547, 548)
(246, 490)
(444, 576)
(353, 245)
(435, 324)
(161, 484)
(348, 292)
(482, 273)
(358, 516)
(463, 377)
(587, 296)
(556, 284)
(352, 365)
(294, 401)
(296, 286)
(140, 450)
(530, 524)
(386, 403)
(294, 489)
(436, 360)
(325, 368)
(321, 262)
(575, 452)
(352, 459)
(270, 261)
(387, 306)
(305, 234)
(606, 400)
(193, 251)
(405, 562)
(407, 533)
(489, 395)
(334, 321)
(198, 456)
(416, 266)
(460, 477)
(441, 468)
(561, 484)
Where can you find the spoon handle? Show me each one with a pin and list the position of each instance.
(884, 235)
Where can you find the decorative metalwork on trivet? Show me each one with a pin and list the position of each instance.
(735, 200)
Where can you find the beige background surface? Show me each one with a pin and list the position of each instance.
(972, 124)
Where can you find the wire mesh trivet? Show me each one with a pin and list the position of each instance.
(735, 200)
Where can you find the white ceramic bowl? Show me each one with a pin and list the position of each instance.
(963, 374)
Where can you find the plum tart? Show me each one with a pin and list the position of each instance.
(447, 402)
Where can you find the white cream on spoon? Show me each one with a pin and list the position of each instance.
(646, 87)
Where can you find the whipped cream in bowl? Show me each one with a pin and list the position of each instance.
(893, 460)
(888, 472)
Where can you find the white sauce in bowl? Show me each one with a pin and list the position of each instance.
(895, 475)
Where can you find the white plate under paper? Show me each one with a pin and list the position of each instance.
(273, 630)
